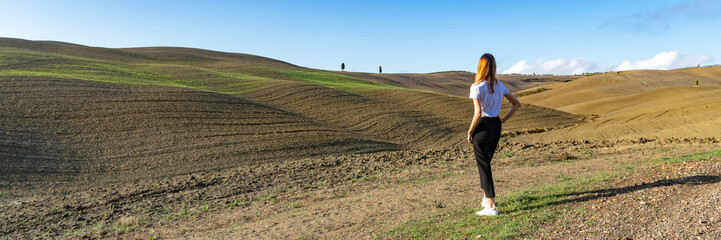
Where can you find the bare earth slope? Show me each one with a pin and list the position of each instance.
(202, 57)
(69, 131)
(634, 104)
(71, 112)
(78, 119)
(190, 143)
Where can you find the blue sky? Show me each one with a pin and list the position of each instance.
(562, 37)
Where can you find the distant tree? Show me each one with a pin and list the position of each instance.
(342, 66)
(380, 70)
(697, 82)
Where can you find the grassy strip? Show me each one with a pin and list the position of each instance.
(10, 57)
(149, 74)
(547, 80)
(690, 157)
(327, 79)
(210, 79)
(521, 212)
(531, 92)
(13, 56)
(229, 82)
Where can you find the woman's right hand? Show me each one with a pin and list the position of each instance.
(470, 138)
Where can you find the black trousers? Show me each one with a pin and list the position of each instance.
(485, 141)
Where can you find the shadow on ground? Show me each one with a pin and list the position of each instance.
(583, 196)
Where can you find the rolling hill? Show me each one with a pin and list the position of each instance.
(457, 82)
(638, 104)
(71, 112)
(189, 143)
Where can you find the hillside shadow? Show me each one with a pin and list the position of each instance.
(583, 196)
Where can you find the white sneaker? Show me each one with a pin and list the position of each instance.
(488, 212)
(485, 203)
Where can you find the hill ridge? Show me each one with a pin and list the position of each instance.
(241, 114)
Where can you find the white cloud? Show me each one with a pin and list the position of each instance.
(664, 60)
(556, 66)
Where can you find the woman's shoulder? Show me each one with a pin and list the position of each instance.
(477, 87)
(478, 84)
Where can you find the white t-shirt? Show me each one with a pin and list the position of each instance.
(490, 102)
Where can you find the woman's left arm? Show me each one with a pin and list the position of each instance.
(476, 117)
(514, 108)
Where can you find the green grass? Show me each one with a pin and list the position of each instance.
(563, 178)
(422, 180)
(210, 79)
(593, 73)
(547, 80)
(91, 71)
(236, 203)
(438, 203)
(327, 79)
(149, 74)
(230, 81)
(204, 208)
(293, 206)
(126, 223)
(531, 92)
(12, 56)
(522, 213)
(266, 197)
(448, 174)
(585, 151)
(690, 157)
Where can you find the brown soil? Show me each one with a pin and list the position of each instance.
(69, 132)
(408, 118)
(365, 209)
(355, 196)
(80, 153)
(676, 201)
(635, 104)
(147, 54)
(295, 160)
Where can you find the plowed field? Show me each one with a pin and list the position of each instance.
(190, 143)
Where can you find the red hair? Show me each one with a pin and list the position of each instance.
(486, 70)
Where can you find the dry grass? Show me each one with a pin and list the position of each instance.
(127, 221)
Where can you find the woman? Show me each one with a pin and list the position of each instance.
(485, 130)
